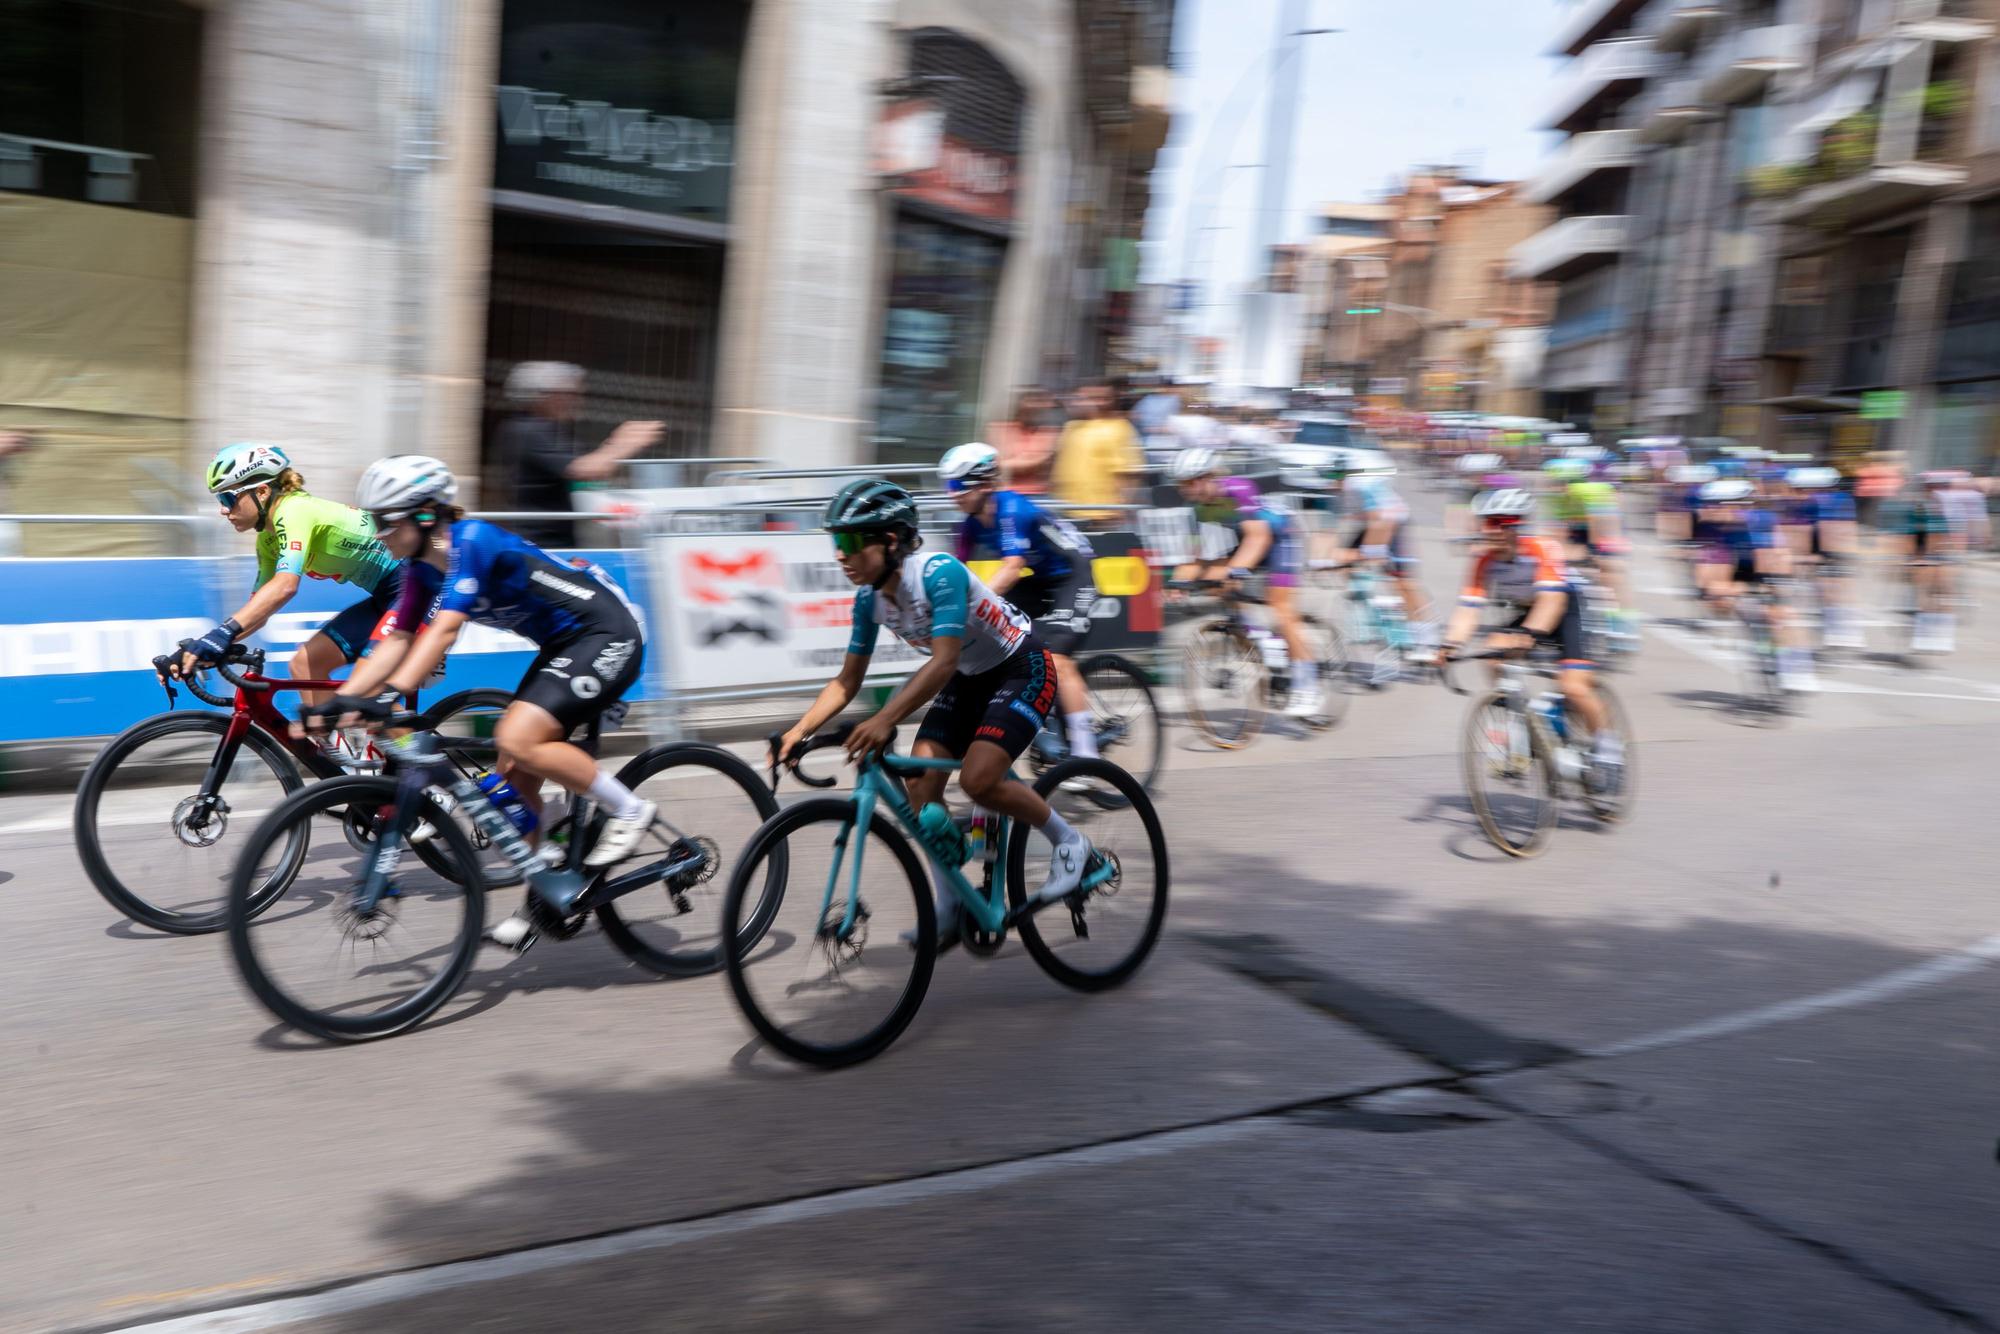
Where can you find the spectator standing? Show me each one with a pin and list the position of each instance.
(1099, 457)
(1875, 483)
(536, 460)
(1027, 443)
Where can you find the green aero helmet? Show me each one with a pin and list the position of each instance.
(871, 505)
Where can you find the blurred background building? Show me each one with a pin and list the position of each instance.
(811, 231)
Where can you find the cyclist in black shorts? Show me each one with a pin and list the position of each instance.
(590, 640)
(1044, 570)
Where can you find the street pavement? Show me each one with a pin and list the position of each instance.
(1727, 1066)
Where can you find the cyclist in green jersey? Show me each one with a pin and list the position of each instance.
(1587, 511)
(298, 537)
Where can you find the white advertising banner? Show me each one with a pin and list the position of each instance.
(755, 609)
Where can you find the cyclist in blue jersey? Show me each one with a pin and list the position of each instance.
(1264, 537)
(990, 683)
(1741, 549)
(1044, 570)
(1383, 536)
(590, 640)
(1825, 537)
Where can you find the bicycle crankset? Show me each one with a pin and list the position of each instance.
(978, 940)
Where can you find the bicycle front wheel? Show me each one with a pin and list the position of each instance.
(1336, 676)
(1127, 722)
(1610, 796)
(822, 984)
(1098, 936)
(1510, 776)
(711, 804)
(1222, 679)
(319, 962)
(159, 822)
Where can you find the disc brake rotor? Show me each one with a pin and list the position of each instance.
(213, 816)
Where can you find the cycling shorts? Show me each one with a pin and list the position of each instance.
(575, 678)
(1567, 637)
(1400, 556)
(357, 626)
(1006, 705)
(1060, 609)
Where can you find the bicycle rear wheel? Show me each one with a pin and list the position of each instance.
(318, 963)
(711, 802)
(1336, 681)
(1098, 936)
(160, 848)
(1510, 776)
(1222, 680)
(1129, 731)
(1612, 804)
(818, 989)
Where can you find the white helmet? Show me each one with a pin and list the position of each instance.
(1690, 474)
(1726, 491)
(1192, 463)
(1479, 463)
(1507, 503)
(405, 482)
(973, 464)
(240, 465)
(1813, 479)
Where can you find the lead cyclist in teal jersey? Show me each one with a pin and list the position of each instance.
(989, 682)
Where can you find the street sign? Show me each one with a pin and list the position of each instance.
(1884, 405)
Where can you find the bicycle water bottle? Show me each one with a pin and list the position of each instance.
(1550, 707)
(942, 836)
(502, 794)
(1272, 647)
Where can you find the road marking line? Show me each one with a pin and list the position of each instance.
(1727, 661)
(1917, 976)
(365, 1293)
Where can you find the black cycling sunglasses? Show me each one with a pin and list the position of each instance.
(850, 544)
(227, 499)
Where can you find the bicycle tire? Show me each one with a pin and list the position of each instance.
(90, 794)
(737, 945)
(499, 873)
(1541, 755)
(1228, 642)
(299, 809)
(1619, 808)
(1334, 678)
(693, 962)
(1146, 719)
(1026, 927)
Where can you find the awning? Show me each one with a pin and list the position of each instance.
(1811, 403)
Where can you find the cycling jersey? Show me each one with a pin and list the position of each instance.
(1829, 507)
(1579, 502)
(1052, 547)
(1535, 568)
(1377, 495)
(321, 539)
(1242, 503)
(1742, 533)
(500, 579)
(937, 597)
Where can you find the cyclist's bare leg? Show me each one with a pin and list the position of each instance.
(985, 779)
(928, 786)
(317, 659)
(1579, 692)
(531, 743)
(1286, 613)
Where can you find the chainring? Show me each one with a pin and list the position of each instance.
(977, 940)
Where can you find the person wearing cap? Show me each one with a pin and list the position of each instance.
(536, 462)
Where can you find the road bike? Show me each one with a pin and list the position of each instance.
(1233, 669)
(1124, 718)
(359, 945)
(830, 969)
(1378, 627)
(1764, 689)
(1523, 749)
(190, 775)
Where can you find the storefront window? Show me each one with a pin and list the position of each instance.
(1968, 427)
(940, 309)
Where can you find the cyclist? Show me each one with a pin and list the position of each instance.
(1823, 521)
(1524, 575)
(1049, 553)
(1742, 550)
(990, 683)
(590, 640)
(1383, 537)
(1921, 529)
(1263, 536)
(299, 536)
(1586, 505)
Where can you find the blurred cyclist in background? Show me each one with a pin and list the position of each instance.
(1044, 570)
(1383, 537)
(299, 537)
(1587, 510)
(1743, 551)
(1264, 537)
(1825, 541)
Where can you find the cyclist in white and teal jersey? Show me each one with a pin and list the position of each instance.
(989, 682)
(299, 537)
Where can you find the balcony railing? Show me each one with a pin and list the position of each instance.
(1681, 22)
(1667, 110)
(1570, 247)
(1605, 68)
(1583, 328)
(1742, 65)
(1593, 21)
(1580, 158)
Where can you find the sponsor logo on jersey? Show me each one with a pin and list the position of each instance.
(577, 591)
(298, 546)
(467, 586)
(612, 661)
(586, 687)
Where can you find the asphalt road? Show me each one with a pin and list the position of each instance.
(1730, 1066)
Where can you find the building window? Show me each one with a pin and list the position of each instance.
(941, 291)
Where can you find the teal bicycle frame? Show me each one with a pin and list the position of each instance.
(1373, 624)
(872, 786)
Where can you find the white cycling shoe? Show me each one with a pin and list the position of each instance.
(619, 836)
(1066, 867)
(1307, 703)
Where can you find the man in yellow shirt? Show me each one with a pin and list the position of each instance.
(1099, 455)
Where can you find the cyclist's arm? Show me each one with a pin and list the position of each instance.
(1007, 575)
(948, 585)
(429, 652)
(1378, 528)
(833, 699)
(1546, 612)
(1465, 616)
(928, 680)
(1256, 544)
(266, 602)
(373, 672)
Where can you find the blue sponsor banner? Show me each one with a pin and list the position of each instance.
(77, 637)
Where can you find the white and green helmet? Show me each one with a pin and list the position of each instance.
(240, 465)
